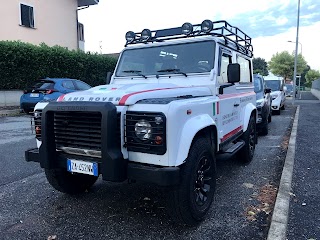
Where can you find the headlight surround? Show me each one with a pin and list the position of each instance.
(275, 96)
(259, 103)
(143, 130)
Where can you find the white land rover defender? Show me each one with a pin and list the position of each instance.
(178, 99)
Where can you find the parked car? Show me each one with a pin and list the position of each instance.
(277, 94)
(289, 90)
(49, 89)
(263, 103)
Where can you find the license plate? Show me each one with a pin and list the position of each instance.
(34, 94)
(77, 166)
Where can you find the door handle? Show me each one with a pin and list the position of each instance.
(236, 104)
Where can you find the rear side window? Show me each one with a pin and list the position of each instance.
(68, 84)
(43, 85)
(81, 85)
(245, 69)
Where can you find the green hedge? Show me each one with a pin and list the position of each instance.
(23, 63)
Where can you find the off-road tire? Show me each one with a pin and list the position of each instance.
(270, 117)
(69, 183)
(264, 129)
(245, 154)
(276, 112)
(198, 175)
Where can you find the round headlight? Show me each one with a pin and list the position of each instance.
(187, 28)
(206, 26)
(145, 34)
(130, 36)
(143, 130)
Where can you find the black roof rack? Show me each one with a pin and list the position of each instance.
(233, 36)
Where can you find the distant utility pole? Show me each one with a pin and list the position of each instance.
(100, 46)
(295, 57)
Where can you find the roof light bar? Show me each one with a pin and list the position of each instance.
(145, 35)
(187, 28)
(130, 36)
(206, 26)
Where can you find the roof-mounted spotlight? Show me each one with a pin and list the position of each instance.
(145, 35)
(187, 28)
(130, 36)
(206, 26)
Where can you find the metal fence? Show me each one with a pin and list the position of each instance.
(316, 84)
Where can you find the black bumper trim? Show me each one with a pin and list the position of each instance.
(162, 176)
(32, 155)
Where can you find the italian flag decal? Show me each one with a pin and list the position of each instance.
(216, 108)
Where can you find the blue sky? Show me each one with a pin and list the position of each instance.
(271, 23)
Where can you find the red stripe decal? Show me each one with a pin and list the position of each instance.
(225, 137)
(125, 97)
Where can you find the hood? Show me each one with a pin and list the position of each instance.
(274, 93)
(129, 94)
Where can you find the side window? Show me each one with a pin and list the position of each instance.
(82, 85)
(68, 84)
(245, 69)
(26, 16)
(225, 60)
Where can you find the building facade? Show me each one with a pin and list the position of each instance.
(53, 22)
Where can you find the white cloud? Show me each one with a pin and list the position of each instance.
(110, 20)
(265, 47)
(281, 21)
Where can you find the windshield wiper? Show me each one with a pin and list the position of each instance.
(136, 72)
(173, 70)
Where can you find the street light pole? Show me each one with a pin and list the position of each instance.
(295, 57)
(300, 46)
(298, 76)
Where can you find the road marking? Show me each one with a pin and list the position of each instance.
(280, 216)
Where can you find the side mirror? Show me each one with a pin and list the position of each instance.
(108, 79)
(233, 72)
(267, 90)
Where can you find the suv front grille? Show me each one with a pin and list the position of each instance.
(79, 133)
(78, 130)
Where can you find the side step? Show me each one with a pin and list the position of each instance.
(233, 149)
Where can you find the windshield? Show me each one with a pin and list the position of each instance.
(257, 84)
(43, 85)
(196, 57)
(289, 87)
(273, 84)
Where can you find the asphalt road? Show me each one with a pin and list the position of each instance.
(32, 209)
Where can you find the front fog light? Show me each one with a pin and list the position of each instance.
(143, 130)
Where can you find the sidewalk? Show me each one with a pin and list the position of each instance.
(296, 215)
(9, 111)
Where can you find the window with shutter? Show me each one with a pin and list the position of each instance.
(27, 16)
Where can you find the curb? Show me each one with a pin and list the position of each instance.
(280, 216)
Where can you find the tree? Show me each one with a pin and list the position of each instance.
(260, 66)
(312, 75)
(282, 64)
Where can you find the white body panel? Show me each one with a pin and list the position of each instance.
(229, 112)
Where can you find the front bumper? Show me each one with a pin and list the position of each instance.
(162, 176)
(275, 105)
